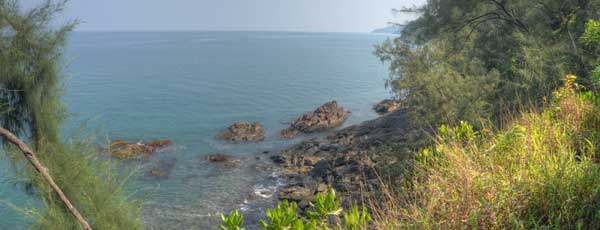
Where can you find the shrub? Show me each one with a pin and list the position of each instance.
(233, 221)
(321, 216)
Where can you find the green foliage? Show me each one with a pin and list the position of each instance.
(232, 222)
(464, 132)
(474, 61)
(285, 216)
(94, 186)
(596, 77)
(30, 54)
(467, 65)
(439, 88)
(357, 220)
(30, 89)
(591, 35)
(540, 172)
(325, 205)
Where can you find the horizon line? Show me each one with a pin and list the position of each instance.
(220, 30)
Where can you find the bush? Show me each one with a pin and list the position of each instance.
(233, 221)
(324, 214)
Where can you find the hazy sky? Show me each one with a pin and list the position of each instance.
(289, 15)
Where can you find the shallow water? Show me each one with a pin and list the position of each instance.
(187, 87)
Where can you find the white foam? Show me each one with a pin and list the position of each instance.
(264, 192)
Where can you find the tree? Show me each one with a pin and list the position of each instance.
(500, 55)
(30, 88)
(30, 54)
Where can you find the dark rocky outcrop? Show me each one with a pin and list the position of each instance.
(244, 132)
(339, 161)
(387, 106)
(327, 116)
(125, 150)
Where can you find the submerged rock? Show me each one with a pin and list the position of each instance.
(158, 172)
(163, 169)
(387, 106)
(226, 160)
(125, 150)
(219, 157)
(327, 116)
(244, 131)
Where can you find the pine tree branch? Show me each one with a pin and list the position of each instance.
(30, 155)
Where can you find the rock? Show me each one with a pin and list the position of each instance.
(289, 133)
(387, 106)
(244, 132)
(321, 169)
(163, 169)
(125, 150)
(342, 160)
(304, 204)
(232, 164)
(334, 220)
(219, 157)
(226, 160)
(311, 160)
(158, 172)
(322, 188)
(295, 193)
(158, 144)
(263, 167)
(279, 159)
(327, 116)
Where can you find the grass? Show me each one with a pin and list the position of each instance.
(540, 172)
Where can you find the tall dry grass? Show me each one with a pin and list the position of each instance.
(540, 172)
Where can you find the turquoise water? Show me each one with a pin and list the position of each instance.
(189, 86)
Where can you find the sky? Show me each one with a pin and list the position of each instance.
(262, 15)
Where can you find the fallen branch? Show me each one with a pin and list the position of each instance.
(30, 155)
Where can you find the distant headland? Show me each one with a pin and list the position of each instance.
(391, 29)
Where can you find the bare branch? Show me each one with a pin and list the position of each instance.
(30, 155)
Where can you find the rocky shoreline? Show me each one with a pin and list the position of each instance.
(339, 160)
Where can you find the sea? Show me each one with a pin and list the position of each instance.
(188, 86)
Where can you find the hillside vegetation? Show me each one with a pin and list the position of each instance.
(540, 171)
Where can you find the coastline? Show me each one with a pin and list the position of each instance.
(333, 158)
(339, 160)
